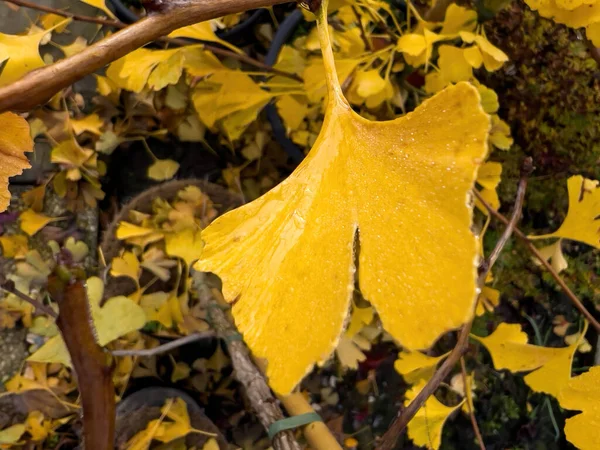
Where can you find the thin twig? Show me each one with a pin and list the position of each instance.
(165, 347)
(463, 370)
(523, 237)
(10, 288)
(246, 373)
(388, 440)
(70, 15)
(242, 57)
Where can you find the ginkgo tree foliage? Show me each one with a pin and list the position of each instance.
(376, 236)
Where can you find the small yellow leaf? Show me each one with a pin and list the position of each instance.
(415, 366)
(553, 253)
(91, 123)
(163, 169)
(53, 351)
(11, 435)
(15, 140)
(101, 5)
(185, 244)
(128, 230)
(493, 58)
(32, 222)
(582, 222)
(458, 19)
(425, 428)
(126, 265)
(582, 393)
(509, 349)
(202, 31)
(266, 251)
(291, 111)
(211, 444)
(348, 353)
(489, 175)
(14, 246)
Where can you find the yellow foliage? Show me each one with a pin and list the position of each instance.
(15, 140)
(185, 244)
(582, 393)
(32, 222)
(291, 252)
(416, 366)
(582, 222)
(163, 169)
(425, 428)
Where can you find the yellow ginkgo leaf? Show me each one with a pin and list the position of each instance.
(12, 434)
(21, 53)
(163, 169)
(415, 366)
(586, 13)
(552, 377)
(397, 189)
(14, 246)
(225, 93)
(101, 5)
(291, 111)
(582, 393)
(582, 222)
(185, 244)
(126, 265)
(425, 428)
(509, 349)
(91, 123)
(202, 31)
(492, 57)
(553, 253)
(15, 140)
(417, 48)
(592, 32)
(32, 222)
(127, 230)
(458, 19)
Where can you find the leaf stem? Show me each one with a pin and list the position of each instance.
(165, 347)
(463, 370)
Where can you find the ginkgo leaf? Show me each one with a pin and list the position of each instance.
(582, 222)
(202, 31)
(14, 246)
(425, 428)
(15, 140)
(509, 349)
(415, 366)
(21, 54)
(185, 244)
(458, 19)
(399, 189)
(582, 393)
(91, 123)
(553, 253)
(556, 372)
(126, 265)
(127, 230)
(12, 434)
(163, 169)
(32, 222)
(101, 5)
(582, 15)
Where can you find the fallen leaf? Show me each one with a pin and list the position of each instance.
(32, 222)
(163, 169)
(15, 141)
(12, 434)
(415, 366)
(362, 181)
(185, 244)
(553, 253)
(126, 265)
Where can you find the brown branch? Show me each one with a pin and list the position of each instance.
(388, 440)
(90, 362)
(9, 287)
(165, 347)
(70, 15)
(40, 85)
(118, 24)
(246, 373)
(525, 240)
(463, 370)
